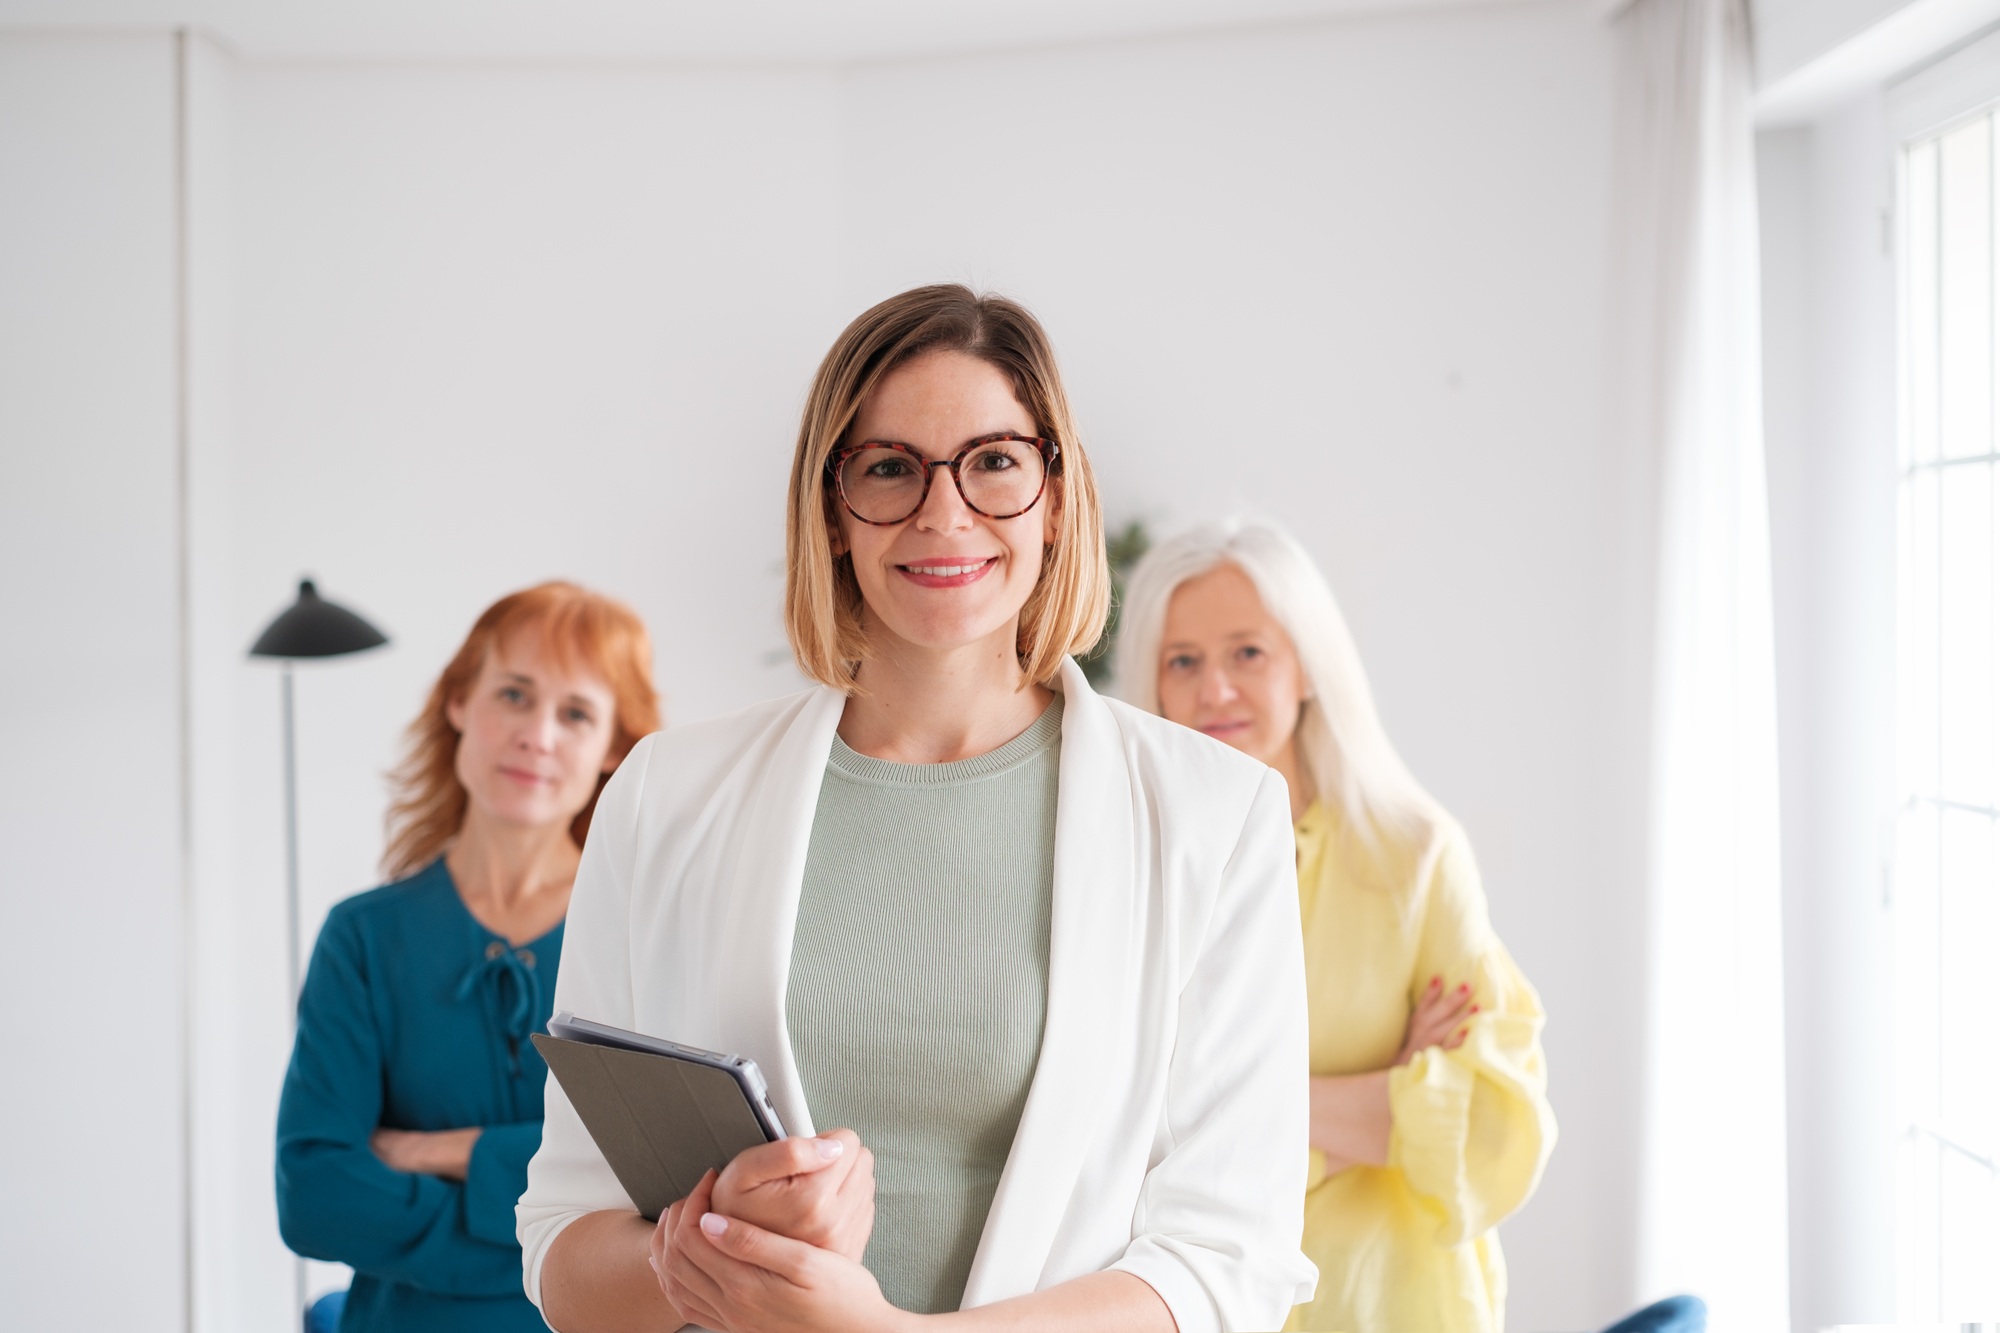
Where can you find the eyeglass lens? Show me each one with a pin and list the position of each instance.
(999, 479)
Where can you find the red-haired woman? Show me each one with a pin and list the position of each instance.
(414, 1099)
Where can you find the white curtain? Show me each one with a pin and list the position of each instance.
(1713, 1194)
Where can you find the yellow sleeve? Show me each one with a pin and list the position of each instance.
(1471, 1127)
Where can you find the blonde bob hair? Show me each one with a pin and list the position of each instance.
(1340, 737)
(1065, 613)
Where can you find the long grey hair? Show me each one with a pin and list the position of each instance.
(1340, 737)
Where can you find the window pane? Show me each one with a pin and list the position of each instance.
(1920, 304)
(1966, 972)
(1917, 651)
(1918, 1027)
(1969, 1240)
(1918, 1159)
(1965, 289)
(1965, 619)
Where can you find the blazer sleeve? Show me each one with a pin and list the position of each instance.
(1217, 1227)
(1472, 1127)
(568, 1177)
(336, 1199)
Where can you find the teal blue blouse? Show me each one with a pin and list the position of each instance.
(415, 1016)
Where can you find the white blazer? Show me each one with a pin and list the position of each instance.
(1165, 1129)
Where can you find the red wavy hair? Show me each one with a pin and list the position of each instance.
(579, 628)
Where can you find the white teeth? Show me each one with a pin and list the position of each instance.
(944, 571)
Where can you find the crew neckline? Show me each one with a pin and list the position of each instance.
(1042, 733)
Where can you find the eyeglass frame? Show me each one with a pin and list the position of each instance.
(1047, 448)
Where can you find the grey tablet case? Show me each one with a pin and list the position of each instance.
(659, 1119)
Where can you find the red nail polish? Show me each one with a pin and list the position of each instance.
(1475, 1008)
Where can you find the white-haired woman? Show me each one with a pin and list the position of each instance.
(1430, 1119)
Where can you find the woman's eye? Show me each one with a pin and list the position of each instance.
(1249, 652)
(889, 467)
(994, 461)
(513, 694)
(1180, 662)
(579, 716)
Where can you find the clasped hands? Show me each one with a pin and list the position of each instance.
(775, 1241)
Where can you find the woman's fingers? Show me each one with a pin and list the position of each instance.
(1439, 1018)
(781, 1256)
(694, 1293)
(660, 1244)
(694, 1283)
(1438, 1001)
(790, 1157)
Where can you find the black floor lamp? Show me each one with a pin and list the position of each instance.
(310, 627)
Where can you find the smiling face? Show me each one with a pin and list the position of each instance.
(946, 577)
(1228, 668)
(533, 737)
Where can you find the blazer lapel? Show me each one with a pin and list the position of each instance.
(1092, 935)
(763, 862)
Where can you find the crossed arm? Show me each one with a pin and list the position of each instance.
(775, 1243)
(1350, 1112)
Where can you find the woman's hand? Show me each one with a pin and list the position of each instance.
(1351, 1120)
(818, 1190)
(443, 1152)
(1438, 1020)
(731, 1275)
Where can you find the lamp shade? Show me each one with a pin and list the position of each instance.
(315, 627)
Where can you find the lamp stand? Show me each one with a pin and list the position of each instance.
(292, 910)
(291, 847)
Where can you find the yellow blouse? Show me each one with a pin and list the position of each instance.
(1411, 1245)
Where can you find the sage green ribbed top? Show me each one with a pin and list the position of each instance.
(919, 982)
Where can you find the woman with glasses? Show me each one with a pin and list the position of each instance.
(1430, 1119)
(414, 1099)
(1032, 951)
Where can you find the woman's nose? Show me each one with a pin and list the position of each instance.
(944, 509)
(1217, 688)
(538, 732)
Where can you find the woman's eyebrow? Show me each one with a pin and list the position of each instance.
(983, 435)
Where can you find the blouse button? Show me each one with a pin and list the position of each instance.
(527, 956)
(494, 949)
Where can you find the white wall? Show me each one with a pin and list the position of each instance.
(1793, 33)
(1830, 338)
(90, 795)
(1352, 274)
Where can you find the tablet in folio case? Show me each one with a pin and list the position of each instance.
(661, 1113)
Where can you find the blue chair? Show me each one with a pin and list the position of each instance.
(1675, 1314)
(323, 1315)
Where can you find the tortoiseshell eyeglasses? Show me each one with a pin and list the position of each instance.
(999, 476)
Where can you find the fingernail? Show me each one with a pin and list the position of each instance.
(830, 1149)
(714, 1223)
(652, 1263)
(1437, 981)
(1475, 1008)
